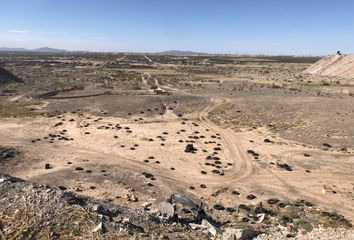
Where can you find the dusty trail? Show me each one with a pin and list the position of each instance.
(242, 165)
(16, 98)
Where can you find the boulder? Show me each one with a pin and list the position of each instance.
(205, 225)
(47, 166)
(211, 228)
(166, 209)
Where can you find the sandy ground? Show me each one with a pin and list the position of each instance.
(114, 152)
(334, 65)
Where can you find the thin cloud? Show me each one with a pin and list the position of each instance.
(19, 31)
(100, 38)
(38, 32)
(54, 33)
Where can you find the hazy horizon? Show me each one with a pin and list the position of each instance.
(225, 27)
(10, 49)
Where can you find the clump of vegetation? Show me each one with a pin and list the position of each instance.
(216, 115)
(22, 109)
(298, 215)
(324, 83)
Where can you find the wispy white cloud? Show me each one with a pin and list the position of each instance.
(19, 31)
(38, 32)
(53, 33)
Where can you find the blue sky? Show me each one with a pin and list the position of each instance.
(300, 27)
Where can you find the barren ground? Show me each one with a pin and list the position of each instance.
(101, 145)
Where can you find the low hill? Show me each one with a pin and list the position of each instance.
(178, 52)
(49, 50)
(334, 66)
(7, 77)
(41, 50)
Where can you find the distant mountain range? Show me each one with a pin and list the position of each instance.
(55, 50)
(43, 49)
(178, 52)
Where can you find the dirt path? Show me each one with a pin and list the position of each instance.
(16, 98)
(242, 167)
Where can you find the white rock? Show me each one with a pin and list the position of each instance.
(166, 209)
(210, 227)
(146, 204)
(132, 198)
(197, 226)
(99, 228)
(261, 217)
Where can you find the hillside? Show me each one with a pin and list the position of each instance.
(7, 77)
(334, 66)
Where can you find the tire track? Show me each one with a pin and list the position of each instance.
(242, 164)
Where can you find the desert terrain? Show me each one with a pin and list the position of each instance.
(259, 142)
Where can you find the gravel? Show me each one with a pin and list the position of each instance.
(316, 234)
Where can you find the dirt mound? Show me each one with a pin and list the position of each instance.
(334, 66)
(7, 77)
